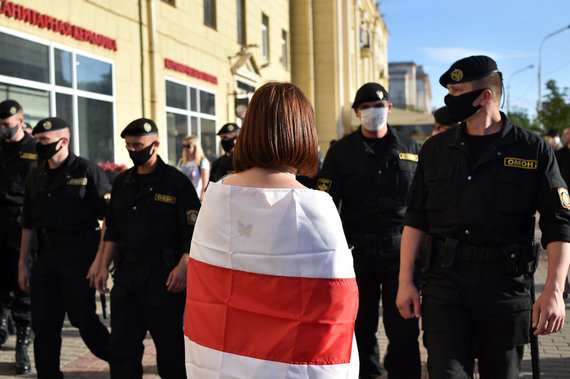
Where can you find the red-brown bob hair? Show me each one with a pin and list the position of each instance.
(278, 131)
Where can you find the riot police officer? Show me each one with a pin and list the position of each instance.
(471, 211)
(149, 227)
(17, 157)
(65, 197)
(369, 173)
(224, 164)
(443, 121)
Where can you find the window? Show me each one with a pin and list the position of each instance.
(284, 49)
(171, 2)
(54, 80)
(210, 13)
(190, 111)
(265, 35)
(241, 22)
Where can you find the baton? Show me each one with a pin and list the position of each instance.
(535, 359)
(103, 304)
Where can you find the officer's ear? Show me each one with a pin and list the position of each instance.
(62, 142)
(156, 145)
(356, 112)
(486, 97)
(389, 108)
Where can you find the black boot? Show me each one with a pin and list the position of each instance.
(3, 326)
(24, 338)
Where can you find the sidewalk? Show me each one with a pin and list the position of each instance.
(77, 362)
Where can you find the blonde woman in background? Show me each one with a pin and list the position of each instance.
(194, 164)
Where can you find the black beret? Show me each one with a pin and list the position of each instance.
(370, 92)
(552, 133)
(140, 127)
(468, 69)
(8, 108)
(228, 128)
(49, 124)
(443, 117)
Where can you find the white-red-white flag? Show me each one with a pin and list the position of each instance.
(271, 289)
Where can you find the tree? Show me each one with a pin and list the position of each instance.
(520, 117)
(556, 112)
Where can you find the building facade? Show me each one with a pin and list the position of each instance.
(338, 45)
(190, 65)
(409, 86)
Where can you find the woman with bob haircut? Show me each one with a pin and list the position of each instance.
(271, 289)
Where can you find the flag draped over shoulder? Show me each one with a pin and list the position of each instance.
(271, 289)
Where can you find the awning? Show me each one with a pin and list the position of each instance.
(406, 117)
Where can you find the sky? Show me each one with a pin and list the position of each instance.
(436, 33)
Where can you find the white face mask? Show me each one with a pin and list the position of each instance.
(374, 119)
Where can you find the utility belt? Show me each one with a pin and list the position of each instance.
(166, 256)
(514, 258)
(48, 238)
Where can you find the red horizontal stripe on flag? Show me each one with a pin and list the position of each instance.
(278, 318)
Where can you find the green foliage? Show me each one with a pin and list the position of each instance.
(556, 111)
(520, 117)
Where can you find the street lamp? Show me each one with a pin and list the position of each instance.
(539, 105)
(509, 85)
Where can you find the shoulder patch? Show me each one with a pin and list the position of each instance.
(165, 198)
(408, 157)
(324, 184)
(77, 181)
(564, 197)
(528, 164)
(30, 156)
(191, 216)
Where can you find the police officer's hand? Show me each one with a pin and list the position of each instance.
(176, 281)
(100, 280)
(408, 301)
(548, 312)
(93, 271)
(24, 277)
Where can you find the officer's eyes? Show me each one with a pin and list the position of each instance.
(381, 105)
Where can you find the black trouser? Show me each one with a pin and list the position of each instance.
(474, 303)
(140, 303)
(377, 277)
(59, 286)
(11, 297)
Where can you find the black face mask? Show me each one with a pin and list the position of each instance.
(461, 107)
(47, 151)
(228, 144)
(142, 156)
(8, 133)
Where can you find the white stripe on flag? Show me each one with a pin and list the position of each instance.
(213, 364)
(273, 232)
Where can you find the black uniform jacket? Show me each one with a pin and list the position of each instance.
(491, 202)
(373, 188)
(68, 199)
(150, 213)
(16, 160)
(221, 166)
(563, 158)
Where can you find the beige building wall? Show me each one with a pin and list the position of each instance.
(177, 33)
(410, 86)
(348, 41)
